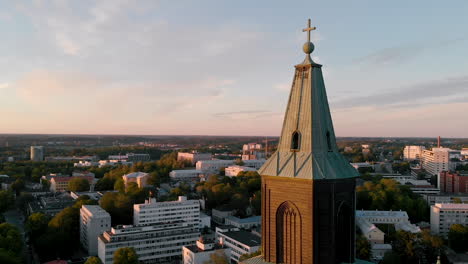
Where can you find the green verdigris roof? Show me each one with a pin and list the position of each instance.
(308, 114)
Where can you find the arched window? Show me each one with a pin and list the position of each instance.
(295, 141)
(329, 141)
(288, 234)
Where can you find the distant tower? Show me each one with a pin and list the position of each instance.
(308, 187)
(37, 153)
(438, 141)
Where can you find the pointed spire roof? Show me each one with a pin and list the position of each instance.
(307, 148)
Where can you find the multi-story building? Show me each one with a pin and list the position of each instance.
(240, 242)
(160, 243)
(256, 164)
(37, 153)
(233, 170)
(93, 222)
(443, 216)
(219, 215)
(104, 163)
(205, 220)
(213, 166)
(133, 157)
(244, 223)
(136, 157)
(190, 175)
(432, 199)
(200, 253)
(60, 184)
(413, 152)
(398, 218)
(453, 182)
(252, 151)
(140, 178)
(193, 157)
(152, 212)
(438, 159)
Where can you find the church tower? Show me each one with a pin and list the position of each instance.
(308, 187)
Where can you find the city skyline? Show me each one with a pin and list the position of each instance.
(224, 69)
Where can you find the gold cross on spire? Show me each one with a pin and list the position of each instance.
(308, 29)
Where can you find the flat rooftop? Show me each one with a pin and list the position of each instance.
(452, 206)
(244, 237)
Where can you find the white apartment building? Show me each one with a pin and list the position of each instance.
(432, 199)
(256, 164)
(185, 175)
(152, 212)
(140, 178)
(93, 222)
(233, 170)
(413, 152)
(240, 242)
(213, 166)
(104, 163)
(252, 151)
(438, 159)
(153, 244)
(193, 156)
(200, 252)
(443, 216)
(85, 163)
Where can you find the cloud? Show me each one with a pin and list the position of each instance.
(252, 114)
(405, 52)
(420, 121)
(4, 85)
(429, 92)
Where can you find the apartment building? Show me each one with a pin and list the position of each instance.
(438, 159)
(453, 182)
(443, 216)
(93, 222)
(413, 152)
(153, 212)
(153, 244)
(240, 242)
(193, 157)
(213, 166)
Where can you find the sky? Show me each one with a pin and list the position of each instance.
(210, 67)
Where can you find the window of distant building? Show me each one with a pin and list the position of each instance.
(296, 141)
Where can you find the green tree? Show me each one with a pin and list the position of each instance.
(119, 185)
(17, 186)
(363, 248)
(78, 184)
(36, 225)
(10, 239)
(458, 238)
(457, 200)
(218, 257)
(93, 260)
(125, 255)
(104, 184)
(7, 257)
(119, 206)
